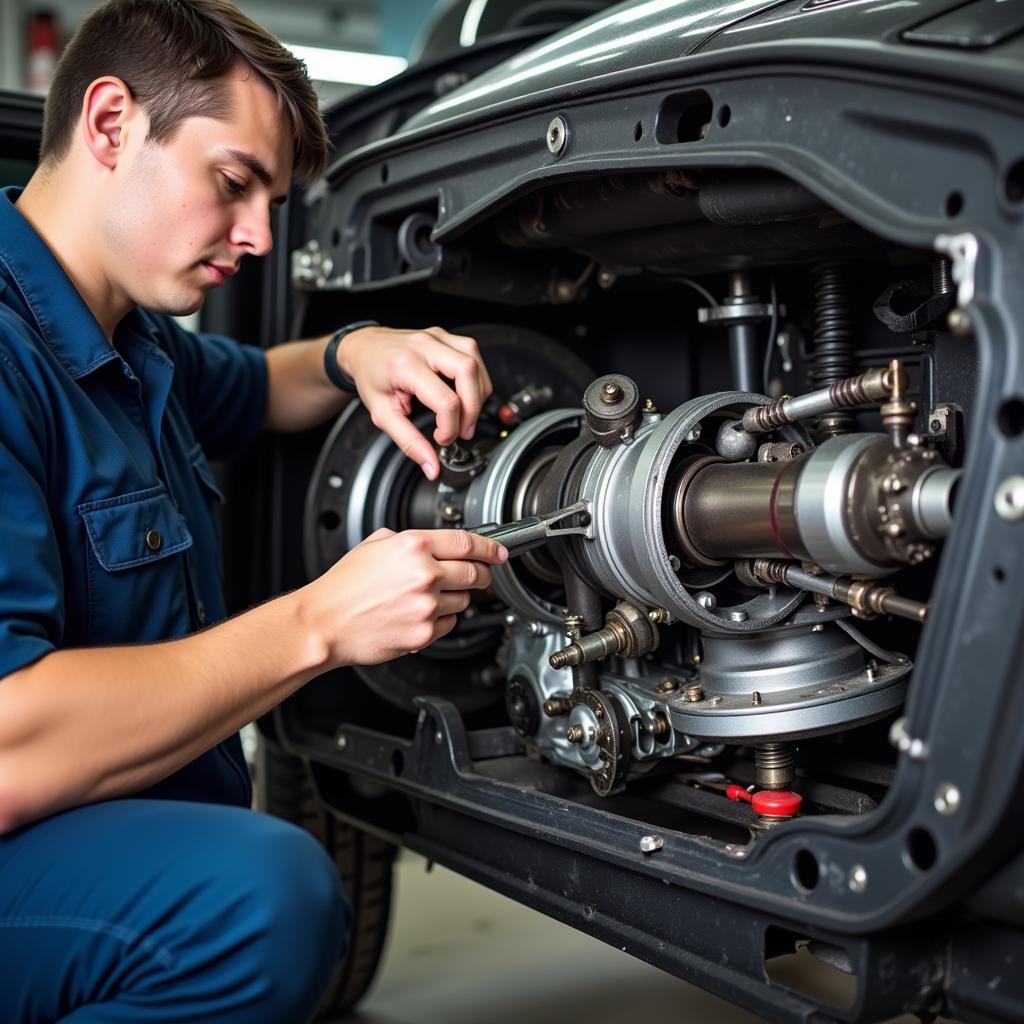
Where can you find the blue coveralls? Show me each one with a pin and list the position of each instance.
(179, 904)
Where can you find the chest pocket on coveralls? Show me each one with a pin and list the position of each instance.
(137, 588)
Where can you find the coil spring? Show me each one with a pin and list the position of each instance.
(833, 328)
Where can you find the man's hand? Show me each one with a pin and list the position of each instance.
(392, 367)
(395, 593)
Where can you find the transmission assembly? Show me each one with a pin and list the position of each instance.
(681, 581)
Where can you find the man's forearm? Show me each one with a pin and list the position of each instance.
(94, 723)
(299, 395)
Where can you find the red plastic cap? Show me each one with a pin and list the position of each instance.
(779, 803)
(508, 415)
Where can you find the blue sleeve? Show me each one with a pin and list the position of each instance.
(31, 575)
(222, 384)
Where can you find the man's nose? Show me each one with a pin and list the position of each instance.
(251, 231)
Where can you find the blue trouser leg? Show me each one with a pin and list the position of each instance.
(154, 910)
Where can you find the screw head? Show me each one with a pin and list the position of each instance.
(959, 323)
(668, 686)
(651, 844)
(611, 393)
(574, 734)
(341, 741)
(511, 621)
(858, 880)
(707, 600)
(947, 799)
(334, 481)
(694, 694)
(557, 135)
(439, 737)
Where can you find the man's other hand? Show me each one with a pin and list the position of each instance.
(395, 593)
(392, 367)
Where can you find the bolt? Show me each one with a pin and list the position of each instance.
(651, 844)
(649, 405)
(341, 741)
(334, 481)
(660, 726)
(557, 135)
(858, 878)
(555, 706)
(818, 627)
(947, 799)
(707, 600)
(534, 629)
(894, 529)
(935, 426)
(606, 278)
(611, 393)
(755, 698)
(739, 615)
(694, 694)
(574, 734)
(674, 563)
(439, 737)
(511, 621)
(657, 615)
(668, 686)
(451, 514)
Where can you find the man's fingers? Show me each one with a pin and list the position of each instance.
(382, 534)
(451, 602)
(463, 369)
(413, 444)
(443, 626)
(462, 545)
(468, 347)
(420, 378)
(462, 575)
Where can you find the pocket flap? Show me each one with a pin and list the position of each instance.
(135, 528)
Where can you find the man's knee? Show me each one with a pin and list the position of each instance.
(287, 897)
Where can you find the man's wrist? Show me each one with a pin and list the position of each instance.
(332, 366)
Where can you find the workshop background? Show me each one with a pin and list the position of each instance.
(457, 952)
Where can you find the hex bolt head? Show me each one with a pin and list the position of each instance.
(694, 694)
(651, 844)
(574, 734)
(668, 686)
(557, 135)
(858, 880)
(947, 799)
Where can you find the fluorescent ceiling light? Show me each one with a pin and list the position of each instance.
(348, 66)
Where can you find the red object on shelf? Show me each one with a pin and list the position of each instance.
(43, 50)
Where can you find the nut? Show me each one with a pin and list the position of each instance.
(694, 694)
(651, 844)
(668, 686)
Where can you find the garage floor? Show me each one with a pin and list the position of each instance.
(459, 953)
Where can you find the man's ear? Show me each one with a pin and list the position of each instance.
(107, 107)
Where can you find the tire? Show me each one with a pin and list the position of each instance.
(364, 864)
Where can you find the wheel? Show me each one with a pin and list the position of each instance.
(364, 863)
(362, 482)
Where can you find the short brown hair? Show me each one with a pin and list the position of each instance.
(174, 56)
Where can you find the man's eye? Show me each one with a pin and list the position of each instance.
(233, 186)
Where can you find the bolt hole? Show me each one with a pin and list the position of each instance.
(954, 204)
(638, 131)
(999, 575)
(384, 174)
(397, 762)
(805, 870)
(1014, 183)
(921, 849)
(724, 115)
(330, 520)
(1010, 417)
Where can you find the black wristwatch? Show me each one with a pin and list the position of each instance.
(335, 374)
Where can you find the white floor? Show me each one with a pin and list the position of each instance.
(459, 953)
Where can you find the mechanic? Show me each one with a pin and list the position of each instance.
(135, 883)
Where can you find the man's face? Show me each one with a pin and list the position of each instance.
(184, 213)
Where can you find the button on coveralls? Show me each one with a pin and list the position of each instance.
(179, 903)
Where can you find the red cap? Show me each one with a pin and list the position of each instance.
(779, 803)
(508, 416)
